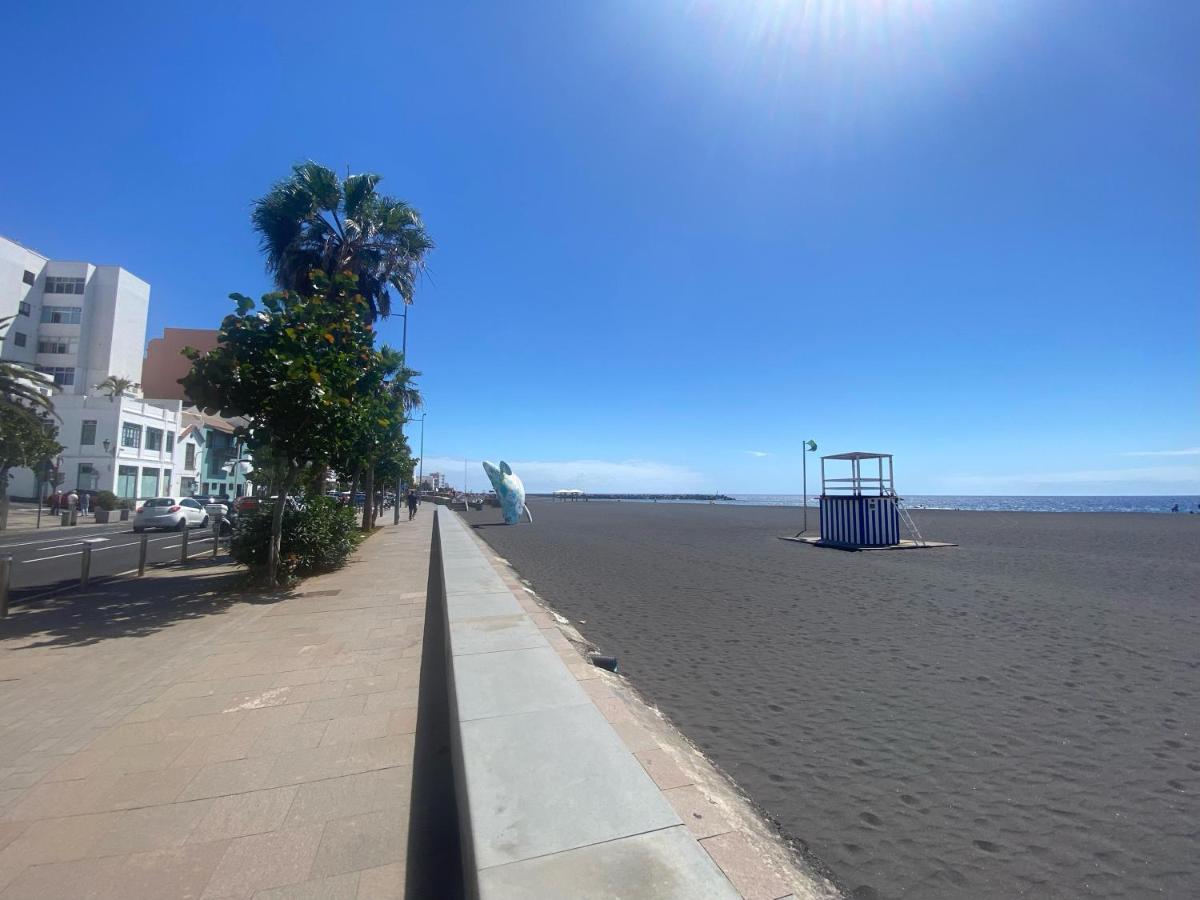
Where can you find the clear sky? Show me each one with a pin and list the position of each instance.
(675, 238)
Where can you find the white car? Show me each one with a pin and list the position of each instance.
(170, 512)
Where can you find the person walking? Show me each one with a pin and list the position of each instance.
(413, 499)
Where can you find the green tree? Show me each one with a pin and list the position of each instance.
(312, 221)
(377, 443)
(23, 390)
(116, 386)
(298, 366)
(27, 439)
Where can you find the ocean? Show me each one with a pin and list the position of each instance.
(1187, 503)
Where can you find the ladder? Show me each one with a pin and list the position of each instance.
(906, 518)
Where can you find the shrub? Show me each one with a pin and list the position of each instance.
(318, 538)
(106, 500)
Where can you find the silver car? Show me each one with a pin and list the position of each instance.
(170, 512)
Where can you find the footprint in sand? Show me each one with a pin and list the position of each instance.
(871, 819)
(986, 846)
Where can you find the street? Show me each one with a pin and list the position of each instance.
(49, 560)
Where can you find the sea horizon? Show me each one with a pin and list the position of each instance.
(1115, 503)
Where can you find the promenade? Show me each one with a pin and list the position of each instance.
(169, 737)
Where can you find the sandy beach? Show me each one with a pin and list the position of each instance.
(1016, 716)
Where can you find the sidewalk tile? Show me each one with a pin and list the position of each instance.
(240, 815)
(362, 842)
(264, 861)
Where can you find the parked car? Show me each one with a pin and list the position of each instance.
(209, 500)
(170, 512)
(247, 504)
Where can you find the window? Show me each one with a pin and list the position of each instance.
(87, 434)
(23, 308)
(126, 481)
(149, 483)
(61, 315)
(166, 481)
(58, 345)
(154, 439)
(57, 285)
(189, 456)
(170, 442)
(18, 339)
(87, 478)
(131, 435)
(28, 277)
(63, 377)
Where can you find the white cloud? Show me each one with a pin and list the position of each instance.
(758, 453)
(633, 476)
(1191, 451)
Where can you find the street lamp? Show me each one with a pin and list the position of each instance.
(421, 458)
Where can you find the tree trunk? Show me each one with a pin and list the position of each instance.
(369, 499)
(4, 499)
(277, 527)
(354, 485)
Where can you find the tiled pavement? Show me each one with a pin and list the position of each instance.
(192, 745)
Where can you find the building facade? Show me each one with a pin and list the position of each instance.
(75, 321)
(126, 445)
(165, 363)
(81, 323)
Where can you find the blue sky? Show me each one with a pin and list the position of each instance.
(677, 238)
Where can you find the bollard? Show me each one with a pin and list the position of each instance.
(5, 573)
(87, 567)
(183, 546)
(216, 536)
(142, 555)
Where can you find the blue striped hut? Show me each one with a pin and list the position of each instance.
(860, 510)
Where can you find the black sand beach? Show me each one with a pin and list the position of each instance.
(1017, 716)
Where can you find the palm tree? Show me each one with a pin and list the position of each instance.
(310, 220)
(21, 387)
(400, 380)
(116, 386)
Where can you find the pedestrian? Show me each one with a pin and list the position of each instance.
(54, 501)
(84, 503)
(413, 499)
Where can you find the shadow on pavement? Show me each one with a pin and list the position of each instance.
(130, 607)
(435, 864)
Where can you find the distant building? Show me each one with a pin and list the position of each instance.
(81, 323)
(434, 481)
(209, 454)
(77, 322)
(165, 363)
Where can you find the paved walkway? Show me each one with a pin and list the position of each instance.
(163, 739)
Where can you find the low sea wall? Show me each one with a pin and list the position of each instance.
(551, 802)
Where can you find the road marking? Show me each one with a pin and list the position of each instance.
(191, 541)
(50, 540)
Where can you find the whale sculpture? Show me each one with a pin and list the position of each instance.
(509, 491)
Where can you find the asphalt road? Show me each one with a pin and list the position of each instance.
(49, 560)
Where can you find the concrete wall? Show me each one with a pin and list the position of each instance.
(551, 802)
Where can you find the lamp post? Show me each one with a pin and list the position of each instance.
(807, 447)
(421, 458)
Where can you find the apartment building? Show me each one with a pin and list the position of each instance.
(75, 321)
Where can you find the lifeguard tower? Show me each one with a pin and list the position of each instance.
(862, 510)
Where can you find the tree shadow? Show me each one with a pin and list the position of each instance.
(130, 607)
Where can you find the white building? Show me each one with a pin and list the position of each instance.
(82, 323)
(74, 321)
(126, 445)
(434, 481)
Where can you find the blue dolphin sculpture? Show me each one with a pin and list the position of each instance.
(509, 490)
